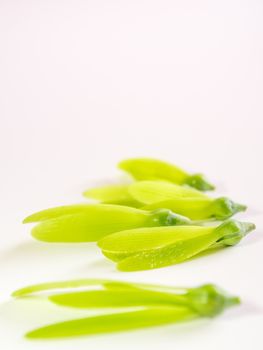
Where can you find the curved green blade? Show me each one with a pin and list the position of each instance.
(112, 194)
(102, 283)
(125, 297)
(154, 169)
(56, 212)
(113, 323)
(149, 192)
(57, 285)
(90, 224)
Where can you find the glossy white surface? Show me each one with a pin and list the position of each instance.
(85, 84)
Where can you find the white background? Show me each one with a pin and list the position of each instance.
(84, 84)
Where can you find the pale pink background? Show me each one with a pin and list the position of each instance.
(85, 83)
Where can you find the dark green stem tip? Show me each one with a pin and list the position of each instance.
(166, 217)
(199, 182)
(233, 231)
(209, 300)
(225, 208)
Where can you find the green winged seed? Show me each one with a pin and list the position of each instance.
(206, 300)
(90, 222)
(159, 307)
(150, 248)
(112, 194)
(154, 169)
(183, 200)
(200, 208)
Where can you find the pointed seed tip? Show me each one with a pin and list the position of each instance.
(233, 301)
(207, 185)
(249, 226)
(16, 294)
(236, 300)
(31, 335)
(86, 193)
(240, 207)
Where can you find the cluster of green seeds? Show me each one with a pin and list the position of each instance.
(157, 220)
(137, 305)
(161, 218)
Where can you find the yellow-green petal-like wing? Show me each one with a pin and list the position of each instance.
(149, 238)
(121, 297)
(92, 283)
(149, 192)
(57, 285)
(113, 323)
(149, 248)
(153, 169)
(55, 212)
(112, 194)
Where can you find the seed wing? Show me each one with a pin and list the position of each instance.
(149, 192)
(93, 283)
(57, 285)
(113, 194)
(113, 323)
(53, 213)
(144, 239)
(118, 297)
(150, 169)
(88, 225)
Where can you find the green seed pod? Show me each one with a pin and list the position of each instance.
(88, 223)
(150, 248)
(154, 169)
(161, 305)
